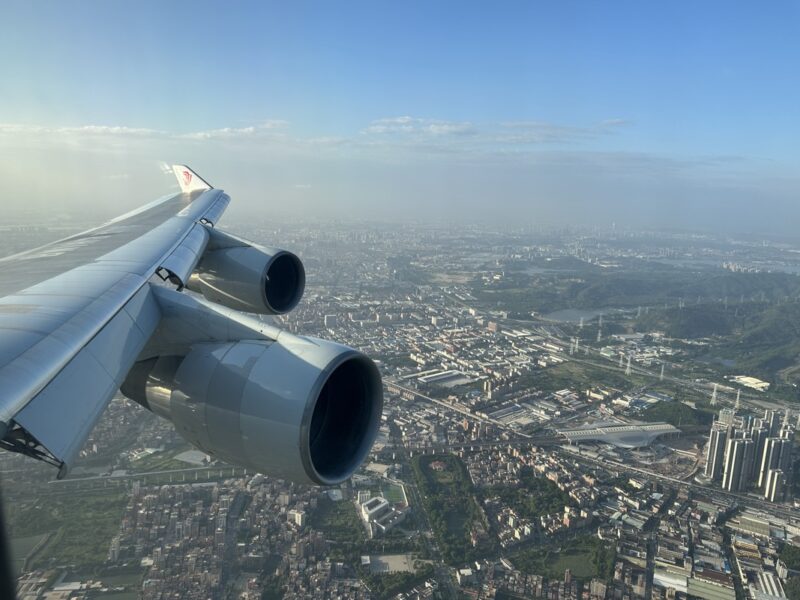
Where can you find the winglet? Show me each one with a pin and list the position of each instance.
(189, 180)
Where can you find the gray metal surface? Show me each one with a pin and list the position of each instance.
(246, 392)
(182, 261)
(67, 409)
(21, 271)
(188, 320)
(70, 314)
(236, 273)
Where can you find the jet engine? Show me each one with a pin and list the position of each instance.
(247, 277)
(297, 408)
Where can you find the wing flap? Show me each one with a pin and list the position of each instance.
(183, 260)
(63, 414)
(81, 319)
(60, 419)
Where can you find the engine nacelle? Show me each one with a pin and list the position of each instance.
(301, 409)
(248, 277)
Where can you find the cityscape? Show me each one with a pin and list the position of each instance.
(399, 300)
(568, 414)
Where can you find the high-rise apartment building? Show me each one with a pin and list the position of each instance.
(715, 457)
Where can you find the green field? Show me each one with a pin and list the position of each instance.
(579, 563)
(82, 523)
(122, 577)
(21, 547)
(392, 492)
(585, 557)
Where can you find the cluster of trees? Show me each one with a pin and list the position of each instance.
(761, 338)
(790, 555)
(604, 558)
(533, 496)
(272, 588)
(580, 285)
(340, 523)
(758, 327)
(450, 505)
(792, 588)
(677, 414)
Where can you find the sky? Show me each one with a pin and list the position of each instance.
(644, 114)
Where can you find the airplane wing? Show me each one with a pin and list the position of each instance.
(74, 315)
(150, 303)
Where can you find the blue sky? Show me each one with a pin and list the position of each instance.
(646, 105)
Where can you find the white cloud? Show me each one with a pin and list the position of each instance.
(106, 130)
(415, 165)
(468, 138)
(264, 128)
(411, 125)
(380, 137)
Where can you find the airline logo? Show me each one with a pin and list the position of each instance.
(187, 177)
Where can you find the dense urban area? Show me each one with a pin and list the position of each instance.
(568, 414)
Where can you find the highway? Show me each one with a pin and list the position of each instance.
(454, 407)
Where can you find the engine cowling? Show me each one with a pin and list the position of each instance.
(248, 277)
(301, 409)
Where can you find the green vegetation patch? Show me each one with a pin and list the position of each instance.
(692, 321)
(393, 493)
(338, 521)
(532, 497)
(790, 555)
(84, 524)
(21, 547)
(792, 588)
(449, 500)
(586, 286)
(757, 338)
(585, 557)
(388, 585)
(580, 374)
(677, 414)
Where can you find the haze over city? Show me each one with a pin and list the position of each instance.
(670, 115)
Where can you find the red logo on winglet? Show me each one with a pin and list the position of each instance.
(187, 177)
